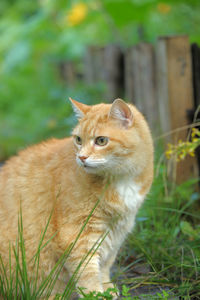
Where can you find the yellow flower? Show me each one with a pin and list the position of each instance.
(195, 140)
(163, 8)
(194, 131)
(168, 154)
(191, 153)
(181, 156)
(180, 143)
(77, 14)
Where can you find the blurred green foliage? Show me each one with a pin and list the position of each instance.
(37, 35)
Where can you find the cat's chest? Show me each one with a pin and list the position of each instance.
(129, 201)
(128, 193)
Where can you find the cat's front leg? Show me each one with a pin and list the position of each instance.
(89, 276)
(105, 273)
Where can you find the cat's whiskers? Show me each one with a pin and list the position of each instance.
(89, 162)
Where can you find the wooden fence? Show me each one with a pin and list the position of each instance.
(162, 80)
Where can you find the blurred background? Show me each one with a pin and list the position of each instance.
(144, 51)
(44, 57)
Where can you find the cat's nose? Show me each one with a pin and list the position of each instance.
(83, 158)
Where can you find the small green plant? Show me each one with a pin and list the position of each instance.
(126, 293)
(166, 238)
(164, 295)
(106, 295)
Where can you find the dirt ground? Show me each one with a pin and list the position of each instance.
(142, 291)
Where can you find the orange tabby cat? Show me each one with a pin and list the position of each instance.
(109, 157)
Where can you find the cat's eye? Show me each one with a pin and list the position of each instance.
(78, 140)
(101, 140)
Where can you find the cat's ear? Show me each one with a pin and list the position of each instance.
(121, 112)
(79, 109)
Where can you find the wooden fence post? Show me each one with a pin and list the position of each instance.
(175, 96)
(68, 72)
(94, 65)
(140, 81)
(114, 72)
(196, 85)
(196, 73)
(106, 65)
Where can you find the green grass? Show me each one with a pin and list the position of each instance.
(15, 283)
(167, 239)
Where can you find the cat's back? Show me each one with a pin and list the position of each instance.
(28, 176)
(27, 183)
(39, 154)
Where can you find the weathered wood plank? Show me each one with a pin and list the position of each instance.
(175, 96)
(114, 72)
(196, 73)
(94, 65)
(140, 80)
(147, 83)
(105, 64)
(128, 73)
(68, 72)
(195, 114)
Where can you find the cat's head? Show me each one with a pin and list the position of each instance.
(109, 138)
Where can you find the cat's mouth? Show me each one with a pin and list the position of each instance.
(85, 165)
(89, 168)
(89, 165)
(92, 164)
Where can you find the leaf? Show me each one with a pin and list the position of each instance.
(187, 229)
(125, 291)
(124, 12)
(19, 53)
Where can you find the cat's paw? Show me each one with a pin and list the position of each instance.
(114, 291)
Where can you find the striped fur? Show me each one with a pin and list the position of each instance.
(69, 178)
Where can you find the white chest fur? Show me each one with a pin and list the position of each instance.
(128, 192)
